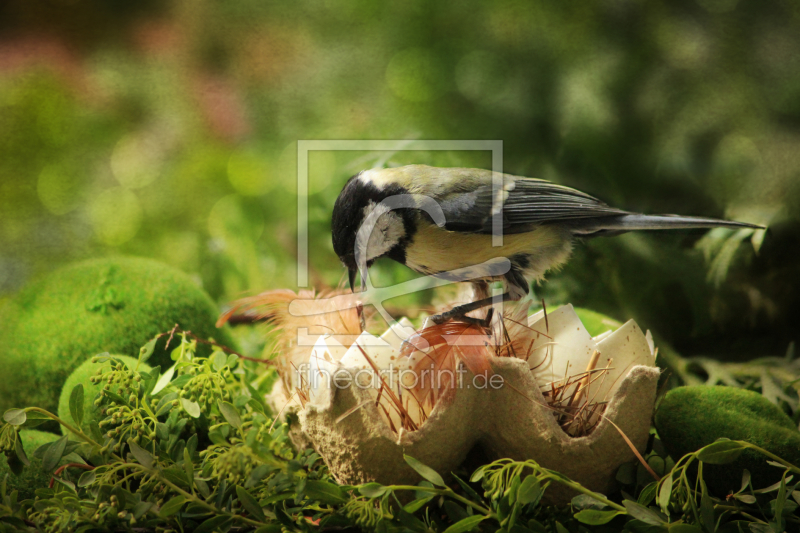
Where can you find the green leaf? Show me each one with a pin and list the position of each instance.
(467, 524)
(250, 503)
(325, 492)
(648, 494)
(164, 380)
(454, 511)
(191, 408)
(706, 507)
(171, 507)
(150, 379)
(595, 517)
(372, 490)
(779, 503)
(721, 452)
(411, 522)
(76, 403)
(15, 465)
(113, 396)
(645, 514)
(477, 475)
(87, 478)
(177, 476)
(141, 508)
(53, 454)
(417, 504)
(665, 493)
(144, 457)
(425, 471)
(188, 466)
(20, 451)
(586, 501)
(180, 381)
(230, 414)
(511, 490)
(67, 483)
(745, 480)
(218, 524)
(219, 360)
(530, 491)
(147, 350)
(15, 417)
(469, 490)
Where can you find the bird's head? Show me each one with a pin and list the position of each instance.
(365, 228)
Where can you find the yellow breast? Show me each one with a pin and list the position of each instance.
(435, 249)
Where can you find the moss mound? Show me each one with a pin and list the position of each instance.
(596, 323)
(110, 305)
(692, 417)
(32, 476)
(83, 375)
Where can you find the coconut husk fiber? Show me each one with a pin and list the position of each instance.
(512, 421)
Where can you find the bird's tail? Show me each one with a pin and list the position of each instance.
(613, 225)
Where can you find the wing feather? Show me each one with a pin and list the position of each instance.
(526, 202)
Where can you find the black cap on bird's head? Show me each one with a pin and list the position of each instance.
(355, 203)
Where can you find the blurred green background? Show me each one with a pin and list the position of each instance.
(169, 130)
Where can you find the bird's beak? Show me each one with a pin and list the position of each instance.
(351, 278)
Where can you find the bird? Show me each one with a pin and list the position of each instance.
(438, 220)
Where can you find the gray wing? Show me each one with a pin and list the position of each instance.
(530, 202)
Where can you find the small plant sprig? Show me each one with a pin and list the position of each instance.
(191, 446)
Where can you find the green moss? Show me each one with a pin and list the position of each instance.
(596, 323)
(692, 417)
(33, 476)
(110, 305)
(83, 375)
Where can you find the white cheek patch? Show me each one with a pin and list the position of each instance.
(387, 231)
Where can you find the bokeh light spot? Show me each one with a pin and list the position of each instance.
(229, 218)
(136, 160)
(476, 75)
(736, 155)
(416, 75)
(322, 169)
(116, 216)
(584, 100)
(250, 173)
(58, 191)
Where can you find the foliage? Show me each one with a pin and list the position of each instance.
(194, 448)
(86, 375)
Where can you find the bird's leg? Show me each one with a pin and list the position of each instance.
(460, 311)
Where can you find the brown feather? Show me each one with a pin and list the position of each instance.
(272, 309)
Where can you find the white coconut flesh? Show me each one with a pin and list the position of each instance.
(562, 349)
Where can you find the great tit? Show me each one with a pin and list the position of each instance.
(437, 220)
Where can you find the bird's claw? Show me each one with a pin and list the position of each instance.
(454, 314)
